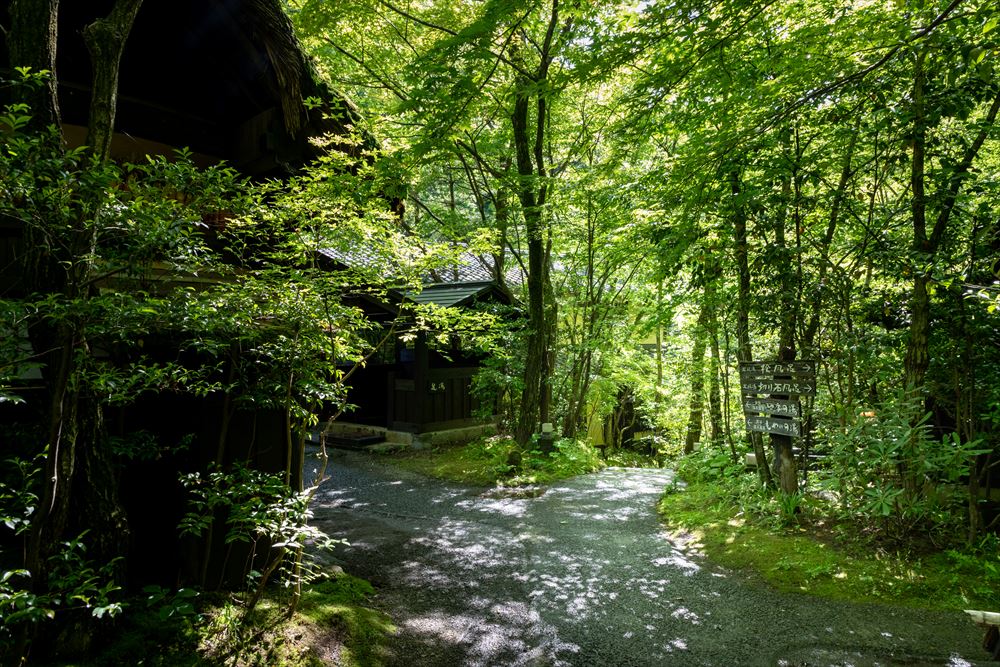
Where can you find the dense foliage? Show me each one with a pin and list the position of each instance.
(133, 278)
(715, 183)
(669, 188)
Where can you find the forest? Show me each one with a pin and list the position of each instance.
(660, 192)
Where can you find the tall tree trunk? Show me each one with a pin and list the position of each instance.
(79, 473)
(96, 492)
(812, 327)
(714, 388)
(659, 341)
(31, 43)
(744, 351)
(925, 246)
(697, 404)
(917, 359)
(532, 190)
(534, 365)
(105, 39)
(502, 217)
(782, 444)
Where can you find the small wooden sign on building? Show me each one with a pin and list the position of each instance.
(771, 391)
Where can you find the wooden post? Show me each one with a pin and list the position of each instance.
(771, 392)
(421, 384)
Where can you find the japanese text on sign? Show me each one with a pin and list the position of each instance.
(778, 387)
(778, 368)
(772, 406)
(777, 426)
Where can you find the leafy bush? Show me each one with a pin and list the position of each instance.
(889, 472)
(499, 460)
(262, 511)
(708, 465)
(73, 584)
(626, 458)
(567, 459)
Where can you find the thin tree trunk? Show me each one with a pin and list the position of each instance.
(812, 327)
(659, 346)
(79, 471)
(714, 389)
(744, 351)
(695, 413)
(917, 360)
(782, 444)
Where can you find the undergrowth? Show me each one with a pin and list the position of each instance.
(794, 546)
(499, 461)
(332, 625)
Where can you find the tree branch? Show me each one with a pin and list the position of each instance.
(961, 171)
(388, 85)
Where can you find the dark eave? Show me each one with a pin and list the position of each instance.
(225, 78)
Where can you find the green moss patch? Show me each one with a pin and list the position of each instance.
(337, 607)
(810, 557)
(332, 625)
(499, 461)
(474, 463)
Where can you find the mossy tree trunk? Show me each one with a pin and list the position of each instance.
(80, 487)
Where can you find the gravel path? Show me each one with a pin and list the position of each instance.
(583, 574)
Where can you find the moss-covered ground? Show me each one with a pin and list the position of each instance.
(499, 461)
(332, 625)
(809, 556)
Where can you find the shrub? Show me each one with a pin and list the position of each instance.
(890, 473)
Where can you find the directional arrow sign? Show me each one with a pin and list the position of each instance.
(773, 368)
(787, 387)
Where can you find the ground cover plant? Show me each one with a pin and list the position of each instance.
(810, 556)
(500, 461)
(332, 624)
(808, 544)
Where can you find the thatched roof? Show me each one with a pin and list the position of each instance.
(226, 78)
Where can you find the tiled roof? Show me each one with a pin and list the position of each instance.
(471, 268)
(451, 294)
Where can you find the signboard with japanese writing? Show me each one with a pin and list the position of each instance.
(790, 427)
(772, 369)
(787, 387)
(772, 406)
(771, 391)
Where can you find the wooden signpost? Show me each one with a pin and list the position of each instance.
(787, 426)
(771, 392)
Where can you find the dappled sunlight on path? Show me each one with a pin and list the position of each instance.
(582, 573)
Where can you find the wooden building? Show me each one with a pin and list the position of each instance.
(227, 80)
(414, 391)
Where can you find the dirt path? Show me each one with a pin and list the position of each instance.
(584, 575)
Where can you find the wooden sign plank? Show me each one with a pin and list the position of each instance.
(772, 406)
(773, 368)
(786, 387)
(797, 377)
(777, 426)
